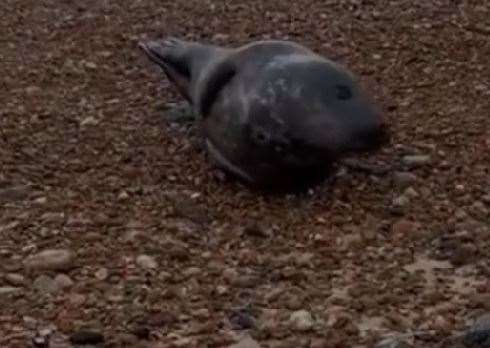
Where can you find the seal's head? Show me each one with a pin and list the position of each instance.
(309, 110)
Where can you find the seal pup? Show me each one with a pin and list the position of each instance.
(273, 113)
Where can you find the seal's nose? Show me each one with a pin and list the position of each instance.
(371, 138)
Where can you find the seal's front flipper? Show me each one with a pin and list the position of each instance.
(170, 55)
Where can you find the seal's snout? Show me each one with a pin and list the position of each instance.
(370, 138)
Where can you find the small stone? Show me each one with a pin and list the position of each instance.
(142, 332)
(45, 285)
(392, 343)
(126, 340)
(29, 322)
(182, 342)
(102, 274)
(39, 341)
(479, 207)
(63, 281)
(304, 259)
(241, 319)
(486, 199)
(51, 259)
(254, 230)
(15, 279)
(442, 324)
(301, 320)
(192, 271)
(14, 194)
(9, 290)
(401, 201)
(146, 262)
(460, 214)
(246, 342)
(319, 343)
(460, 187)
(230, 275)
(86, 337)
(416, 160)
(33, 90)
(403, 228)
(478, 335)
(404, 179)
(41, 200)
(91, 65)
(202, 313)
(89, 121)
(411, 193)
(123, 196)
(294, 302)
(221, 290)
(105, 54)
(77, 300)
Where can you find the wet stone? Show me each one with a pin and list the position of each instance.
(478, 336)
(51, 259)
(86, 337)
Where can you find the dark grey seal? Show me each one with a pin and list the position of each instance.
(273, 113)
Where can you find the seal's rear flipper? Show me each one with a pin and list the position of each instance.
(168, 54)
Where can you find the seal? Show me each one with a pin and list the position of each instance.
(273, 113)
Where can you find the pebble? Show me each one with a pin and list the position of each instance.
(141, 332)
(86, 337)
(479, 207)
(192, 271)
(45, 285)
(393, 343)
(478, 336)
(51, 259)
(102, 274)
(32, 90)
(77, 300)
(123, 196)
(9, 290)
(41, 200)
(89, 121)
(304, 259)
(404, 179)
(63, 281)
(146, 262)
(202, 313)
(401, 201)
(230, 274)
(241, 319)
(182, 342)
(246, 342)
(486, 198)
(91, 65)
(416, 160)
(127, 340)
(301, 320)
(410, 192)
(14, 194)
(403, 228)
(221, 290)
(15, 279)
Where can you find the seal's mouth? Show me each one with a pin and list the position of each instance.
(370, 141)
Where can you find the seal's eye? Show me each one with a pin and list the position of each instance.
(343, 92)
(260, 136)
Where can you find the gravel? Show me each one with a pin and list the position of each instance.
(96, 173)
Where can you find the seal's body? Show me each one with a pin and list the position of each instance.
(273, 112)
